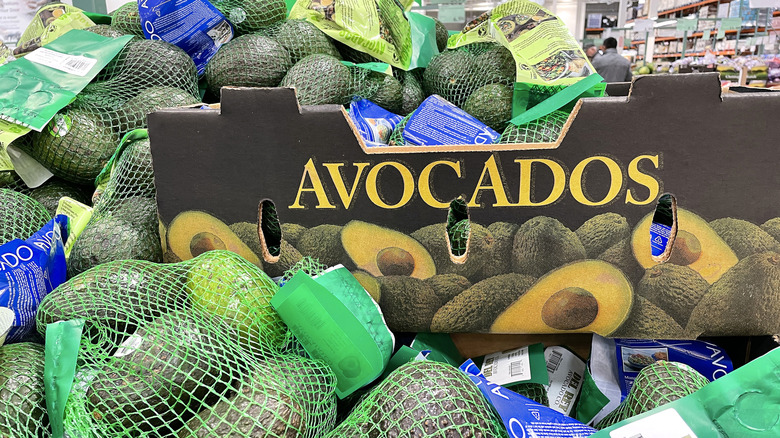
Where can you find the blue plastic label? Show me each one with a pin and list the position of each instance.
(29, 270)
(659, 237)
(374, 123)
(195, 26)
(522, 416)
(634, 354)
(438, 122)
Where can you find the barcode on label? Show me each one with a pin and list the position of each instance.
(77, 63)
(639, 435)
(554, 362)
(516, 368)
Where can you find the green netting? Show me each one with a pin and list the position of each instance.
(49, 193)
(307, 264)
(534, 391)
(124, 223)
(126, 19)
(442, 35)
(105, 30)
(251, 15)
(422, 398)
(20, 216)
(545, 129)
(353, 55)
(22, 398)
(188, 349)
(10, 180)
(382, 89)
(656, 385)
(492, 105)
(320, 79)
(397, 137)
(144, 77)
(269, 225)
(459, 237)
(456, 74)
(301, 39)
(248, 61)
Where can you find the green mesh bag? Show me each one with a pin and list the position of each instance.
(188, 349)
(309, 265)
(534, 391)
(397, 137)
(442, 35)
(301, 39)
(22, 397)
(459, 237)
(545, 129)
(492, 105)
(412, 93)
(20, 216)
(381, 89)
(126, 19)
(105, 30)
(656, 385)
(248, 61)
(49, 193)
(10, 180)
(320, 79)
(456, 74)
(144, 77)
(249, 16)
(124, 223)
(422, 399)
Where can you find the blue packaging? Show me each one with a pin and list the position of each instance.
(438, 122)
(634, 354)
(195, 26)
(29, 270)
(374, 123)
(522, 416)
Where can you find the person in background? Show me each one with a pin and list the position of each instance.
(591, 51)
(611, 66)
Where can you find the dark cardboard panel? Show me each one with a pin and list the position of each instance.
(715, 154)
(706, 158)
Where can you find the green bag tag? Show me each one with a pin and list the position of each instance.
(424, 46)
(337, 321)
(441, 348)
(62, 346)
(98, 18)
(591, 400)
(552, 103)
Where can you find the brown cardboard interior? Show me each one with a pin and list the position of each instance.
(671, 134)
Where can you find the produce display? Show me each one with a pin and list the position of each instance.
(179, 337)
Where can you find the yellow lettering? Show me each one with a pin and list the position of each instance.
(616, 181)
(526, 182)
(496, 185)
(424, 183)
(316, 187)
(372, 188)
(644, 179)
(338, 181)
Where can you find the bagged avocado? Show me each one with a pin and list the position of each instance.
(547, 57)
(382, 29)
(29, 270)
(741, 404)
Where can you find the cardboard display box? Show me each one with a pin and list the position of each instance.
(559, 239)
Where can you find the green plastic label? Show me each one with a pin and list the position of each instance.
(337, 321)
(62, 346)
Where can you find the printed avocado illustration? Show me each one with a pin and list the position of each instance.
(647, 320)
(448, 286)
(744, 301)
(408, 303)
(743, 237)
(772, 226)
(601, 232)
(586, 296)
(323, 243)
(542, 244)
(675, 289)
(382, 251)
(480, 242)
(621, 255)
(277, 265)
(475, 309)
(192, 233)
(501, 254)
(697, 244)
(292, 232)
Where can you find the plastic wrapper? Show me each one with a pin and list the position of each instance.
(374, 123)
(29, 270)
